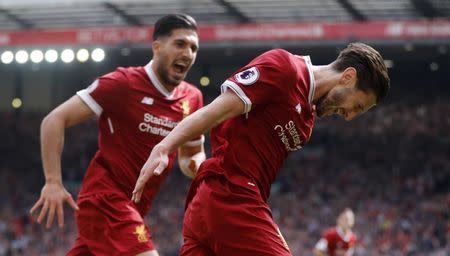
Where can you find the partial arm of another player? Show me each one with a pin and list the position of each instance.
(226, 106)
(350, 252)
(190, 158)
(321, 248)
(53, 194)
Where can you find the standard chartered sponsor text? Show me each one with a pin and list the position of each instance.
(150, 120)
(290, 127)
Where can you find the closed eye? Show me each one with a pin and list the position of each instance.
(361, 108)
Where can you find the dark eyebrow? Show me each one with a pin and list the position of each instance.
(180, 40)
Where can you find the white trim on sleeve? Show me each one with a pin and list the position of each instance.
(87, 98)
(194, 143)
(239, 92)
(322, 245)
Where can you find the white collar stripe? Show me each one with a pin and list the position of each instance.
(154, 79)
(340, 232)
(312, 81)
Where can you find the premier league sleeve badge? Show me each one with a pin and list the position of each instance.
(248, 76)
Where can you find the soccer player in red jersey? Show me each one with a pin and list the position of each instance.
(136, 108)
(266, 110)
(339, 240)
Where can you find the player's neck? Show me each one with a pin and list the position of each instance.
(168, 87)
(325, 78)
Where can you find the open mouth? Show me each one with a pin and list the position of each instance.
(180, 67)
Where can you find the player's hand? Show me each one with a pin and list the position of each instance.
(155, 165)
(189, 167)
(193, 167)
(53, 196)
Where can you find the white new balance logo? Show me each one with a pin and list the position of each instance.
(298, 108)
(147, 100)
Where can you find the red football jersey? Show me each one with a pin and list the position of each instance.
(135, 112)
(335, 243)
(277, 89)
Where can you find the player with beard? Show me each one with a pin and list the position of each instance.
(136, 108)
(266, 111)
(339, 240)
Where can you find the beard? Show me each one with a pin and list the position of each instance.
(163, 72)
(329, 103)
(320, 109)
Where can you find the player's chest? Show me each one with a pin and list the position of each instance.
(341, 246)
(145, 114)
(291, 123)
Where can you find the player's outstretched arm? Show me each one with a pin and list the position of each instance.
(53, 194)
(226, 106)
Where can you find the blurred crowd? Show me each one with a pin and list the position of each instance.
(391, 166)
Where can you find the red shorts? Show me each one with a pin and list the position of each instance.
(110, 225)
(228, 219)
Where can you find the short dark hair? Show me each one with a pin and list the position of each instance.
(165, 25)
(371, 71)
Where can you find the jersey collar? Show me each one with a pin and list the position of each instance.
(312, 81)
(340, 232)
(156, 83)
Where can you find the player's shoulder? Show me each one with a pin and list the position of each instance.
(277, 52)
(189, 88)
(127, 76)
(353, 236)
(279, 59)
(128, 72)
(332, 231)
(119, 74)
(278, 55)
(131, 72)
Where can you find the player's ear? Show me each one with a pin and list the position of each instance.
(348, 77)
(156, 47)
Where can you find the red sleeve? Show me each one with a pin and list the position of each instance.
(106, 92)
(266, 79)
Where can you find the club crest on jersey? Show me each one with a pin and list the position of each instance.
(186, 108)
(141, 234)
(248, 76)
